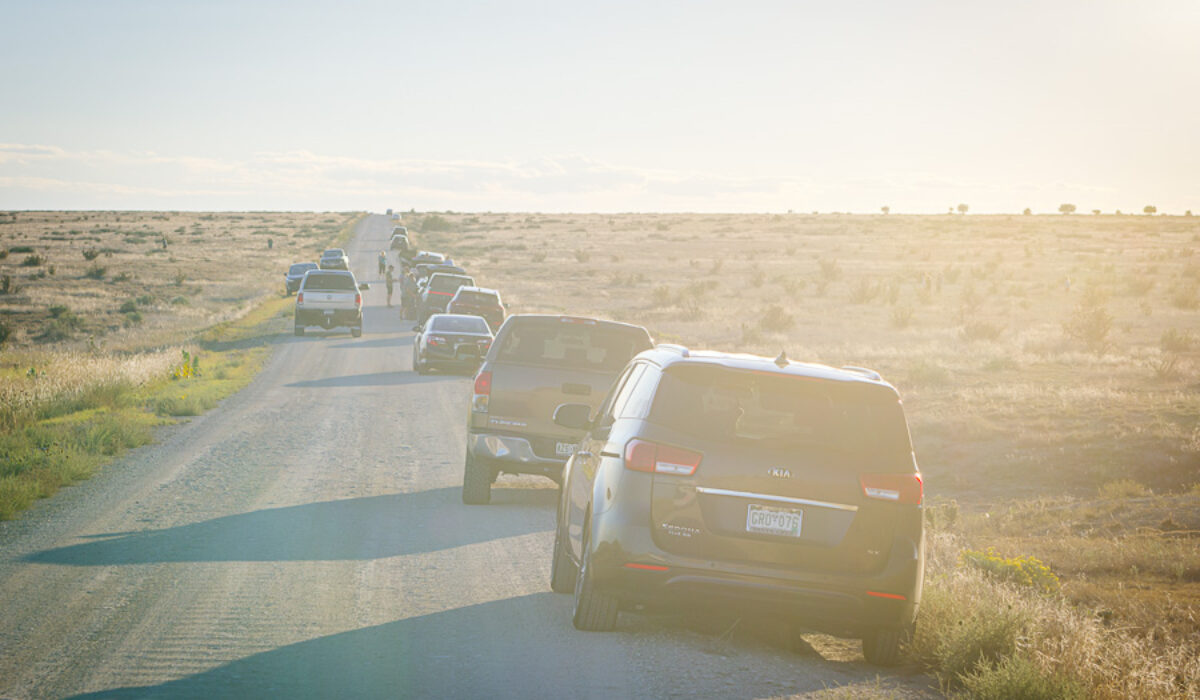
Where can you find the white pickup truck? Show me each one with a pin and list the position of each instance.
(330, 299)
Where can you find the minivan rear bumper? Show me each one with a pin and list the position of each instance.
(629, 565)
(512, 454)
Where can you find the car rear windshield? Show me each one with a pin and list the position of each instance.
(333, 253)
(554, 343)
(459, 324)
(449, 283)
(298, 268)
(478, 299)
(318, 282)
(780, 410)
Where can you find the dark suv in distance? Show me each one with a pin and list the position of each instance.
(536, 363)
(478, 301)
(438, 292)
(776, 487)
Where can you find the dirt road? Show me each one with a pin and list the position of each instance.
(307, 539)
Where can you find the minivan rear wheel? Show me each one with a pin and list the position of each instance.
(477, 483)
(882, 646)
(594, 611)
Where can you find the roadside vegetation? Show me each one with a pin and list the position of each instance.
(1050, 368)
(88, 370)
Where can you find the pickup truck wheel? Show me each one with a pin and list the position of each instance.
(594, 612)
(882, 646)
(356, 332)
(562, 570)
(299, 330)
(477, 483)
(422, 366)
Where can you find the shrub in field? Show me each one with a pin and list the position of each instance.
(863, 292)
(830, 270)
(128, 307)
(8, 285)
(95, 272)
(33, 260)
(435, 222)
(188, 367)
(775, 319)
(5, 332)
(1018, 677)
(1089, 324)
(1024, 570)
(90, 254)
(981, 330)
(582, 256)
(1186, 297)
(21, 249)
(958, 630)
(902, 316)
(1174, 340)
(1123, 488)
(1166, 367)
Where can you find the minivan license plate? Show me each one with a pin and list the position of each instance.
(773, 521)
(565, 449)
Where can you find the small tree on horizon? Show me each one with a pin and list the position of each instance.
(962, 209)
(1150, 209)
(885, 209)
(1066, 209)
(1027, 211)
(1096, 212)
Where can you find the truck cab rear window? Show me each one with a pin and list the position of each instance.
(328, 283)
(570, 346)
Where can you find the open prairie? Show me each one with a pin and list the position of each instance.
(1050, 365)
(131, 280)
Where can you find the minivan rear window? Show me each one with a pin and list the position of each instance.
(324, 282)
(571, 345)
(780, 410)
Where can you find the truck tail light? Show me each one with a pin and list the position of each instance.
(897, 488)
(483, 391)
(299, 297)
(358, 298)
(652, 457)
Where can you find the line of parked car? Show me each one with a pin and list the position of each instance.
(688, 478)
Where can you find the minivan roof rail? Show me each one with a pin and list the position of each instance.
(869, 373)
(674, 347)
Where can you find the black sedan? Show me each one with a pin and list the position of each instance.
(451, 341)
(295, 274)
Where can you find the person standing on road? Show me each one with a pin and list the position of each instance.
(382, 261)
(391, 282)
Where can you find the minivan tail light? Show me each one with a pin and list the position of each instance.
(483, 391)
(300, 297)
(897, 488)
(358, 299)
(652, 457)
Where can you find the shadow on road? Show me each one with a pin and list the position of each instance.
(533, 653)
(355, 528)
(372, 379)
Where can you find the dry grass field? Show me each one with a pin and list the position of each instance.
(106, 279)
(1050, 367)
(97, 311)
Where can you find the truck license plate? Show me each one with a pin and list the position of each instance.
(773, 521)
(565, 449)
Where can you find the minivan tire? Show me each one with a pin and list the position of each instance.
(299, 330)
(594, 612)
(563, 571)
(477, 484)
(882, 646)
(356, 332)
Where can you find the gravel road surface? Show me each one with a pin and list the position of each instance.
(306, 539)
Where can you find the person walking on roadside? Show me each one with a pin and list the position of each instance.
(382, 261)
(391, 283)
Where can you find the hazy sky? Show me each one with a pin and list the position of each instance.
(600, 106)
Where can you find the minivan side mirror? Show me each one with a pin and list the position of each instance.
(576, 416)
(363, 286)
